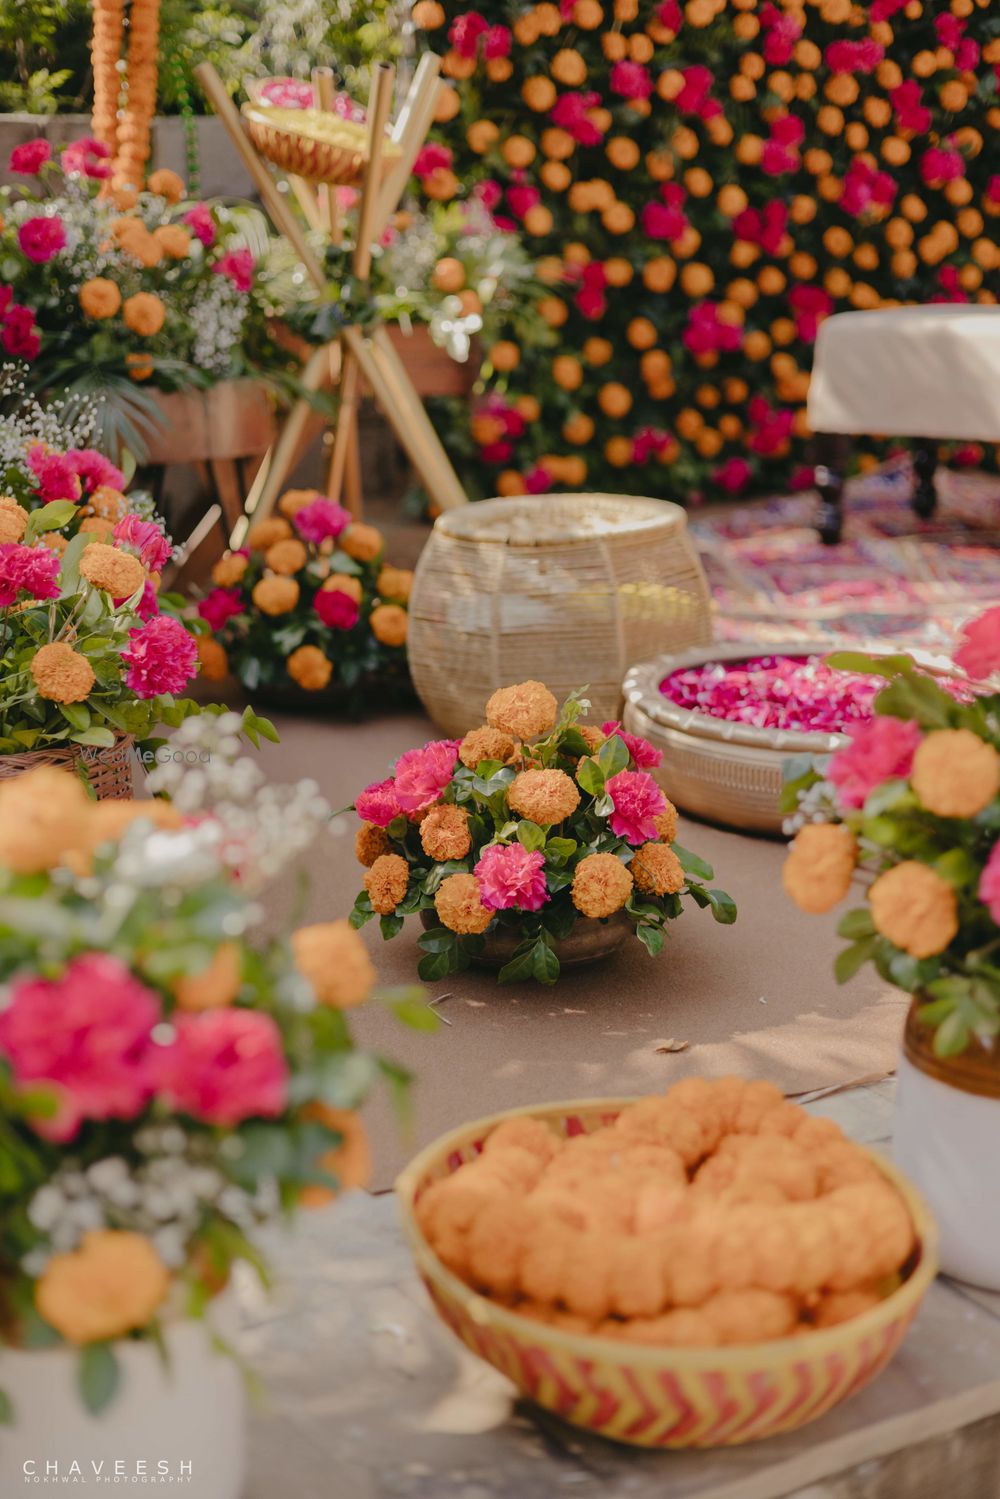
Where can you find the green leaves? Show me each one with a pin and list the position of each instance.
(851, 959)
(362, 911)
(723, 907)
(414, 1012)
(590, 777)
(98, 1376)
(875, 666)
(257, 728)
(51, 517)
(530, 836)
(651, 937)
(692, 864)
(613, 756)
(856, 924)
(533, 959)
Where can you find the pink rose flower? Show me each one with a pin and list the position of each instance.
(88, 157)
(88, 1034)
(978, 651)
(989, 883)
(644, 755)
(41, 237)
(422, 774)
(224, 1066)
(638, 801)
(161, 657)
(337, 610)
(201, 223)
(881, 750)
(510, 877)
(28, 159)
(378, 803)
(94, 470)
(20, 336)
(30, 570)
(146, 540)
(237, 266)
(321, 519)
(220, 605)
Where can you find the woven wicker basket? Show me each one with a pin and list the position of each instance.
(565, 589)
(109, 771)
(730, 773)
(301, 151)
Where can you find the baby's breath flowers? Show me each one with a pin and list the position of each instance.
(529, 823)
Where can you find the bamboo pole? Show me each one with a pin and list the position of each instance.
(307, 200)
(379, 104)
(274, 470)
(409, 133)
(322, 82)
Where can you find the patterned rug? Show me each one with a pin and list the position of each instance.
(893, 577)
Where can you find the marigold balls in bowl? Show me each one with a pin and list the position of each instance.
(619, 1295)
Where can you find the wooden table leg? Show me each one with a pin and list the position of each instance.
(832, 451)
(925, 462)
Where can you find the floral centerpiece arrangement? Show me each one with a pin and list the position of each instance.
(912, 802)
(89, 652)
(105, 287)
(168, 1082)
(526, 826)
(308, 603)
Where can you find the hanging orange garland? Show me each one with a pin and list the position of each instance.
(105, 50)
(135, 125)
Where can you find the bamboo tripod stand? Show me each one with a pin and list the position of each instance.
(357, 351)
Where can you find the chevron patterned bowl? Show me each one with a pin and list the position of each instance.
(661, 1397)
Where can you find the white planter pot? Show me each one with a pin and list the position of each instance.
(180, 1426)
(946, 1140)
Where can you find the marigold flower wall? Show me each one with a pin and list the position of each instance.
(702, 185)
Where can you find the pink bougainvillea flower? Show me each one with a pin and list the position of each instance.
(337, 610)
(511, 877)
(881, 750)
(87, 1033)
(422, 774)
(224, 1066)
(237, 267)
(644, 755)
(161, 657)
(20, 336)
(219, 605)
(87, 157)
(28, 159)
(146, 540)
(321, 519)
(201, 223)
(989, 883)
(29, 570)
(638, 800)
(978, 651)
(378, 803)
(94, 470)
(42, 237)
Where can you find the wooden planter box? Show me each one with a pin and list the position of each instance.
(230, 420)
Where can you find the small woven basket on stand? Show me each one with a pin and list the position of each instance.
(565, 589)
(109, 771)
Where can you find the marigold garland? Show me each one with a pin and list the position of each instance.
(135, 125)
(105, 50)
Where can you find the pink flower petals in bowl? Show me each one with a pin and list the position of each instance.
(799, 693)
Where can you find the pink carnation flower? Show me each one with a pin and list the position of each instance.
(224, 1066)
(644, 755)
(378, 803)
(337, 610)
(148, 604)
(321, 519)
(160, 657)
(88, 1034)
(978, 652)
(20, 336)
(30, 570)
(94, 470)
(237, 266)
(511, 877)
(221, 605)
(42, 237)
(989, 883)
(88, 157)
(28, 159)
(56, 477)
(638, 801)
(881, 750)
(146, 539)
(201, 223)
(631, 80)
(422, 774)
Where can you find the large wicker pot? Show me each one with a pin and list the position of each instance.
(945, 1137)
(109, 771)
(565, 589)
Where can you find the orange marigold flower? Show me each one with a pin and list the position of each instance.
(389, 624)
(96, 525)
(363, 543)
(666, 823)
(215, 985)
(212, 658)
(99, 298)
(594, 736)
(61, 674)
(817, 872)
(459, 906)
(444, 833)
(106, 502)
(370, 843)
(310, 668)
(333, 957)
(173, 240)
(276, 595)
(657, 870)
(144, 313)
(109, 568)
(523, 711)
(293, 500)
(394, 583)
(112, 1284)
(13, 519)
(350, 1161)
(386, 882)
(955, 773)
(343, 583)
(601, 885)
(485, 743)
(543, 796)
(166, 184)
(915, 908)
(43, 814)
(266, 532)
(286, 557)
(229, 570)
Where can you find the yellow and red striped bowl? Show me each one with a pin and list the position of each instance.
(661, 1397)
